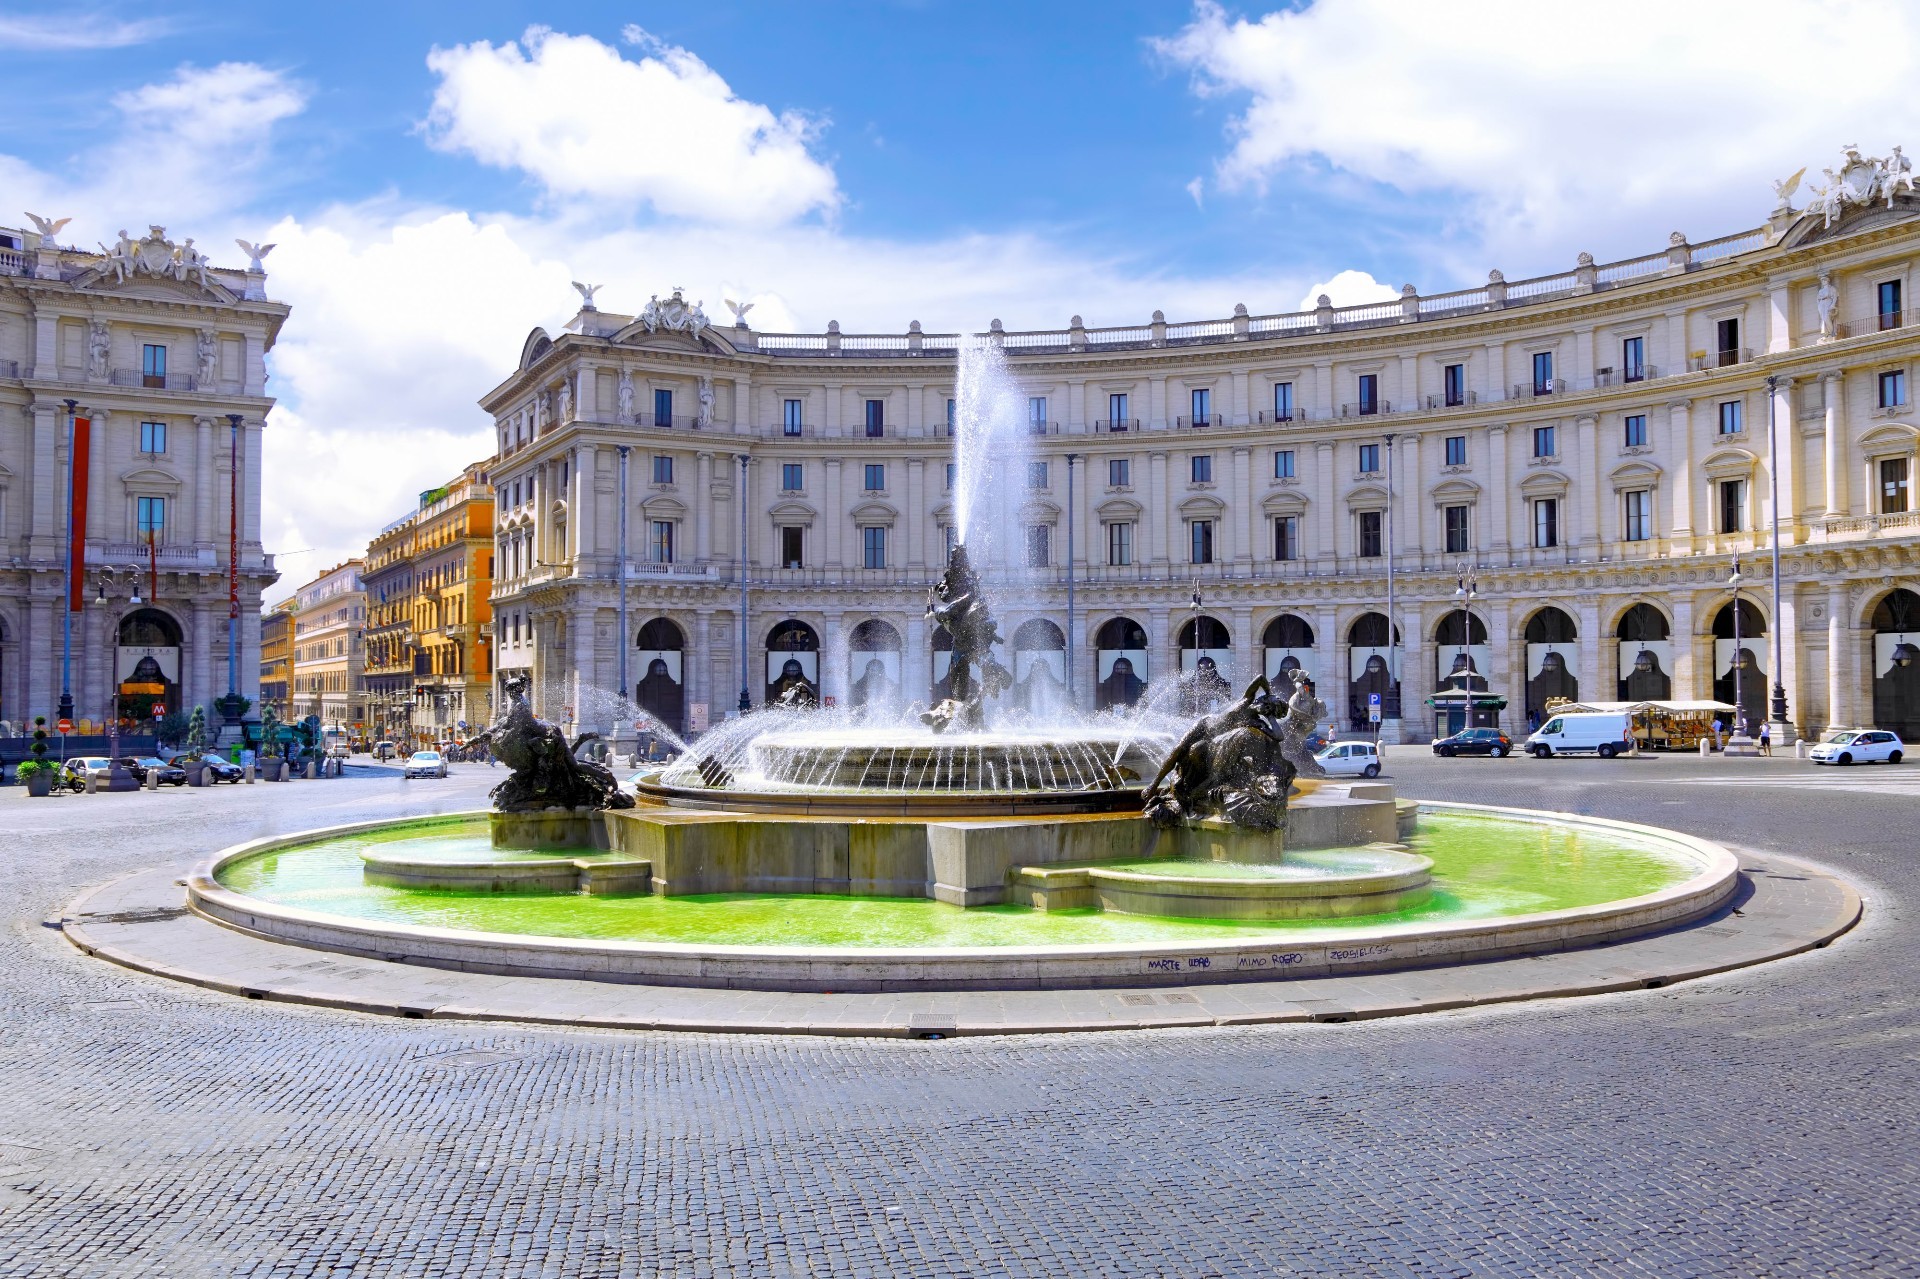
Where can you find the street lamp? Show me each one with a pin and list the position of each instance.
(626, 640)
(66, 601)
(1071, 458)
(1393, 651)
(1778, 711)
(1739, 657)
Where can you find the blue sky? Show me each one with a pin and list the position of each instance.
(434, 175)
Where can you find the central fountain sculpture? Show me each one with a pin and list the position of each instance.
(959, 603)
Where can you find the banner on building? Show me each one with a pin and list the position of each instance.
(77, 467)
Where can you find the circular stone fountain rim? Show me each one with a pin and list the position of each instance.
(735, 965)
(845, 801)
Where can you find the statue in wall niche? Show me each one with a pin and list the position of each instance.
(566, 401)
(626, 397)
(99, 348)
(545, 773)
(1826, 300)
(1230, 765)
(706, 402)
(209, 353)
(958, 603)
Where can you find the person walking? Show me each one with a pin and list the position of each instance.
(1766, 739)
(1719, 740)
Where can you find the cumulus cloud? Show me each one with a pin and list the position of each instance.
(665, 131)
(1559, 125)
(67, 32)
(1349, 288)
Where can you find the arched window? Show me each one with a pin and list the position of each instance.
(1740, 664)
(1369, 671)
(1896, 664)
(1646, 655)
(1039, 666)
(1120, 663)
(1287, 631)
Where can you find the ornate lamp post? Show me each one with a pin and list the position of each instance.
(626, 641)
(1071, 458)
(1393, 650)
(66, 594)
(1740, 738)
(1465, 591)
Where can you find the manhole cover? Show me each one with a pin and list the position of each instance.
(16, 1158)
(474, 1058)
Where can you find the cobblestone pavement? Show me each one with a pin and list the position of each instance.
(1760, 1123)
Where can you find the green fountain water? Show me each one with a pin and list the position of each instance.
(1484, 868)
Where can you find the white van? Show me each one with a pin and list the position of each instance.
(1602, 733)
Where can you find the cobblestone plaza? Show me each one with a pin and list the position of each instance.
(1754, 1123)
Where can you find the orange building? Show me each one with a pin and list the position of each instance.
(452, 570)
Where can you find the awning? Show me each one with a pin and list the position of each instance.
(1635, 708)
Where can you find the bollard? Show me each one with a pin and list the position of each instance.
(1706, 747)
(313, 770)
(93, 785)
(246, 773)
(153, 779)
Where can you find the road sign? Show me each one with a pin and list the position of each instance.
(158, 710)
(65, 726)
(1373, 708)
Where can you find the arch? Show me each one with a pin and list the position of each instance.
(1369, 630)
(1202, 506)
(1752, 621)
(1206, 654)
(534, 348)
(1372, 666)
(1289, 630)
(660, 633)
(1896, 663)
(1120, 663)
(1119, 509)
(1642, 621)
(1888, 437)
(1040, 666)
(146, 663)
(873, 664)
(1552, 653)
(1634, 475)
(1645, 670)
(1729, 464)
(793, 662)
(874, 513)
(1740, 665)
(149, 627)
(1551, 625)
(1451, 629)
(1544, 484)
(661, 690)
(1205, 632)
(1286, 644)
(1367, 497)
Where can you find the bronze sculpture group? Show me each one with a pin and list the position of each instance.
(1238, 764)
(545, 772)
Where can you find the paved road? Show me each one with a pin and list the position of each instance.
(1762, 1123)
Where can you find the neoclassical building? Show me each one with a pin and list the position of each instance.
(1593, 450)
(164, 355)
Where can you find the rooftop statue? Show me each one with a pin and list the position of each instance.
(545, 773)
(958, 603)
(1231, 765)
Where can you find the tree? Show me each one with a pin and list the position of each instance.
(269, 732)
(197, 731)
(172, 727)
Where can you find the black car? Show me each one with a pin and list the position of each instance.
(140, 766)
(1475, 741)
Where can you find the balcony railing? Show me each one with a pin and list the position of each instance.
(1875, 523)
(1117, 424)
(1043, 428)
(1878, 322)
(1366, 408)
(1436, 403)
(156, 381)
(1200, 423)
(1723, 359)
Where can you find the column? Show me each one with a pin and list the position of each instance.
(571, 550)
(916, 667)
(105, 517)
(1681, 499)
(1787, 619)
(1246, 653)
(1419, 662)
(203, 686)
(1840, 658)
(1156, 505)
(1501, 497)
(1779, 316)
(1163, 652)
(1322, 390)
(1409, 499)
(1493, 378)
(1157, 404)
(1833, 387)
(1500, 619)
(1586, 483)
(203, 530)
(1240, 514)
(586, 391)
(1597, 683)
(1686, 669)
(1324, 549)
(1331, 679)
(700, 509)
(44, 538)
(1782, 461)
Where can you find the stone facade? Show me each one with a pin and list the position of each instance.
(276, 659)
(1591, 449)
(163, 353)
(329, 649)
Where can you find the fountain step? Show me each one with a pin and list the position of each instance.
(597, 876)
(1334, 884)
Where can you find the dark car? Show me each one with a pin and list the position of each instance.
(141, 765)
(1475, 741)
(218, 770)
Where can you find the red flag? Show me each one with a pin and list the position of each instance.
(77, 466)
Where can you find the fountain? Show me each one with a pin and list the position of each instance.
(965, 842)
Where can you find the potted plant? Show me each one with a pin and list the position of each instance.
(233, 706)
(38, 771)
(197, 747)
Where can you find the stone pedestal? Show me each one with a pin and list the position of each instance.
(1740, 744)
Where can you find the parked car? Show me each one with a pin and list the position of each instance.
(141, 765)
(1350, 759)
(426, 764)
(218, 770)
(78, 767)
(1859, 746)
(1475, 741)
(384, 750)
(1602, 733)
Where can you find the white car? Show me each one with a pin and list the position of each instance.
(1859, 746)
(426, 764)
(1350, 759)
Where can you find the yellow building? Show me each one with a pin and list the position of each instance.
(389, 582)
(276, 659)
(452, 571)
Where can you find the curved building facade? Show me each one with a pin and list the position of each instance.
(1591, 451)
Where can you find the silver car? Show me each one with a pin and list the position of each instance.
(426, 764)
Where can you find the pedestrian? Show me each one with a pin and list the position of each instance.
(1766, 739)
(1718, 725)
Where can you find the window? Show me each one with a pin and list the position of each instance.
(1036, 475)
(1545, 443)
(1369, 458)
(1893, 485)
(662, 470)
(1453, 382)
(1732, 421)
(952, 471)
(1201, 532)
(1456, 528)
(952, 413)
(1733, 502)
(792, 476)
(1286, 537)
(1887, 293)
(153, 366)
(1728, 334)
(873, 541)
(1117, 419)
(876, 418)
(1546, 522)
(1119, 472)
(1543, 373)
(1636, 430)
(1369, 392)
(1639, 515)
(1893, 390)
(1200, 468)
(1456, 450)
(663, 408)
(153, 437)
(1119, 544)
(1283, 401)
(1037, 546)
(150, 514)
(1202, 407)
(1283, 464)
(1037, 414)
(663, 541)
(1370, 539)
(792, 547)
(792, 421)
(1633, 359)
(948, 539)
(876, 477)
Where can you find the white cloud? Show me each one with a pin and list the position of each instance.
(1197, 189)
(665, 131)
(1559, 126)
(1349, 288)
(67, 32)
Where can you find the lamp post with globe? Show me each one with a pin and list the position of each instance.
(1741, 743)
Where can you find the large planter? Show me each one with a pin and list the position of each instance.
(40, 783)
(196, 774)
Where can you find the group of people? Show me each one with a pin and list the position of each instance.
(1763, 739)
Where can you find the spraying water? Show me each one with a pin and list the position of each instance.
(991, 449)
